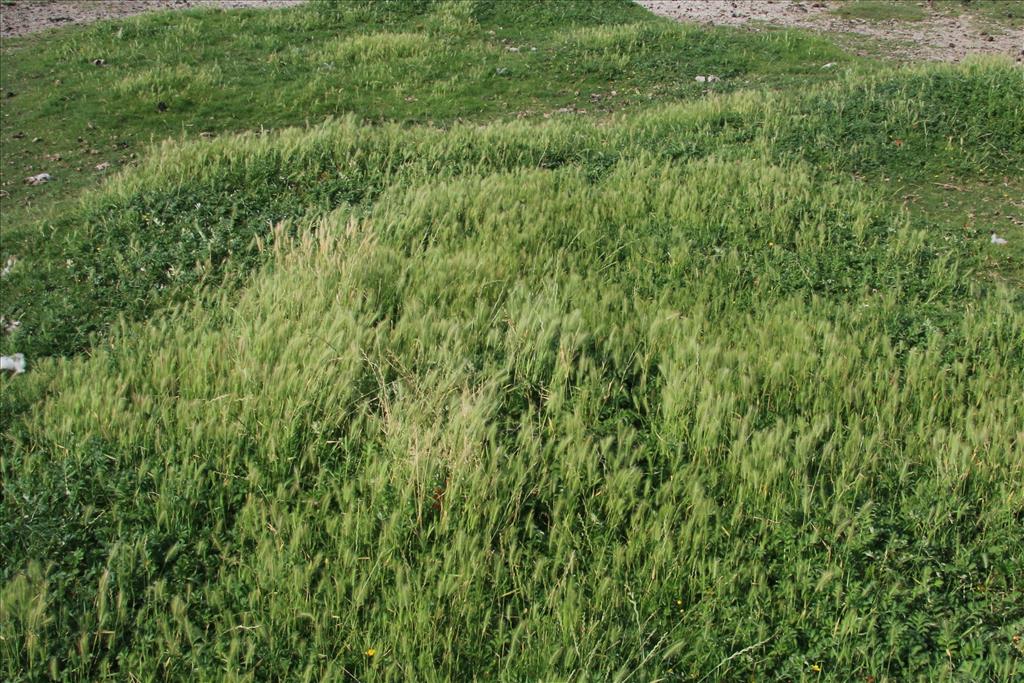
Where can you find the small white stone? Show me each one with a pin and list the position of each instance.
(14, 364)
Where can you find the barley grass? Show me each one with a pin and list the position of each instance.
(200, 205)
(379, 47)
(163, 81)
(525, 424)
(669, 395)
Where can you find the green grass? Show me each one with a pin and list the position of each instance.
(200, 208)
(880, 10)
(708, 387)
(219, 72)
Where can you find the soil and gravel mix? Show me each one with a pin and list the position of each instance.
(20, 17)
(936, 37)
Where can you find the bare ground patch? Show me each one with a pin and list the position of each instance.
(20, 17)
(936, 37)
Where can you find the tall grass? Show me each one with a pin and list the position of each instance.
(525, 424)
(200, 205)
(164, 81)
(670, 395)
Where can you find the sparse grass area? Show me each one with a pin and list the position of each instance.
(880, 10)
(677, 392)
(998, 13)
(976, 209)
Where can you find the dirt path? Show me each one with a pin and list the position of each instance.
(937, 37)
(18, 17)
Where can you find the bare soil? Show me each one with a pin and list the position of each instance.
(20, 17)
(937, 37)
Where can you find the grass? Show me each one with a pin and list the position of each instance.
(200, 210)
(880, 10)
(704, 388)
(226, 71)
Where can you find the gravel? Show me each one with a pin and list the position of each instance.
(21, 17)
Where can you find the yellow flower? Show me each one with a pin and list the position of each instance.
(816, 668)
(370, 652)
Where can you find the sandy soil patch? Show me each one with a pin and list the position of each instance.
(938, 37)
(19, 17)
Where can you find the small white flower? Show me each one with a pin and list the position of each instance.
(996, 239)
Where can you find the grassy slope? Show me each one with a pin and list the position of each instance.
(562, 399)
(221, 71)
(268, 69)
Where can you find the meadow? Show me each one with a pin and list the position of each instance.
(685, 382)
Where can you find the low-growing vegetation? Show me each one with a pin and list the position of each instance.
(880, 10)
(673, 393)
(413, 62)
